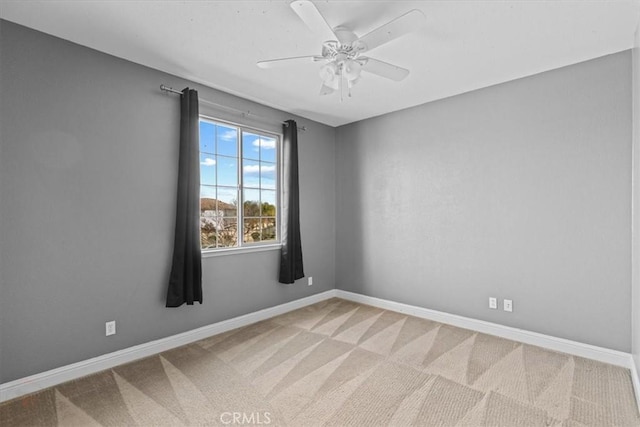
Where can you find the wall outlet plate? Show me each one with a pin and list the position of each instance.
(310, 281)
(110, 328)
(508, 305)
(493, 303)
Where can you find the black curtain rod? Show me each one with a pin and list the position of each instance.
(244, 113)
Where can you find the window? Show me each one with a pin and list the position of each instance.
(238, 186)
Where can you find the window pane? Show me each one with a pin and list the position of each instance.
(251, 203)
(227, 171)
(252, 230)
(207, 200)
(207, 137)
(208, 233)
(207, 169)
(227, 138)
(250, 146)
(268, 203)
(228, 201)
(207, 203)
(250, 173)
(267, 149)
(207, 191)
(268, 173)
(228, 233)
(210, 215)
(268, 229)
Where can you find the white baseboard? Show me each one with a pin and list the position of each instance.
(56, 376)
(601, 354)
(635, 378)
(33, 383)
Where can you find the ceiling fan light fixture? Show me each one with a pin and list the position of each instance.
(353, 81)
(352, 69)
(328, 71)
(326, 90)
(333, 82)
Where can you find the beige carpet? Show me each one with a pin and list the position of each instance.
(338, 363)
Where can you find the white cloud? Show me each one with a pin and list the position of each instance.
(228, 135)
(267, 144)
(256, 169)
(208, 162)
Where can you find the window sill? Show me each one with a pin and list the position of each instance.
(242, 250)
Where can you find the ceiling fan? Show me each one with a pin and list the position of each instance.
(342, 54)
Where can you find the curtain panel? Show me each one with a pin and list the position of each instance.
(185, 281)
(291, 253)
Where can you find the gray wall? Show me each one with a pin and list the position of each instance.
(635, 310)
(87, 188)
(517, 191)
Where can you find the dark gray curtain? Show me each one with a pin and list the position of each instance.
(185, 282)
(291, 252)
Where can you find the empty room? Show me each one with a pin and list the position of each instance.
(310, 213)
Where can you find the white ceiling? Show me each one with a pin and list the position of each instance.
(465, 45)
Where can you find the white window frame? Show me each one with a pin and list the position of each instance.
(252, 246)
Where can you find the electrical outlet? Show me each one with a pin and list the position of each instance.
(110, 328)
(493, 303)
(310, 281)
(508, 305)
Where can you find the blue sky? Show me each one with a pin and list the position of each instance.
(219, 164)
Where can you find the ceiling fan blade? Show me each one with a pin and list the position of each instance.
(384, 69)
(312, 17)
(270, 63)
(400, 26)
